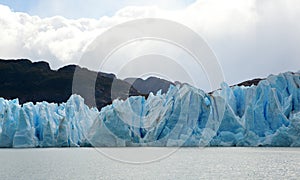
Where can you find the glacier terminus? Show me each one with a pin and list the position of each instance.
(266, 114)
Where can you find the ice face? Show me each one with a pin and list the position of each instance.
(45, 124)
(264, 115)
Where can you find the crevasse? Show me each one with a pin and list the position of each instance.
(264, 115)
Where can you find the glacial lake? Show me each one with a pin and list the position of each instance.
(183, 163)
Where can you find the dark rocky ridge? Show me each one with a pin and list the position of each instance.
(250, 82)
(35, 82)
(146, 86)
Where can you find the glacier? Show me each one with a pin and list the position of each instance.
(267, 114)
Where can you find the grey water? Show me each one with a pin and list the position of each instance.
(184, 163)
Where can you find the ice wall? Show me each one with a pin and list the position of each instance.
(264, 115)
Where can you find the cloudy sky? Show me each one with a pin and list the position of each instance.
(251, 38)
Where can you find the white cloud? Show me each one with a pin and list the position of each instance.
(251, 38)
(55, 39)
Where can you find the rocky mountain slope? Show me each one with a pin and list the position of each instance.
(35, 82)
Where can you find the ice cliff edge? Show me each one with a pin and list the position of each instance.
(267, 114)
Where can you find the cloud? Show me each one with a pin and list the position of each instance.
(250, 38)
(56, 39)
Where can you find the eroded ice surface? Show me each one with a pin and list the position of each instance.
(264, 115)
